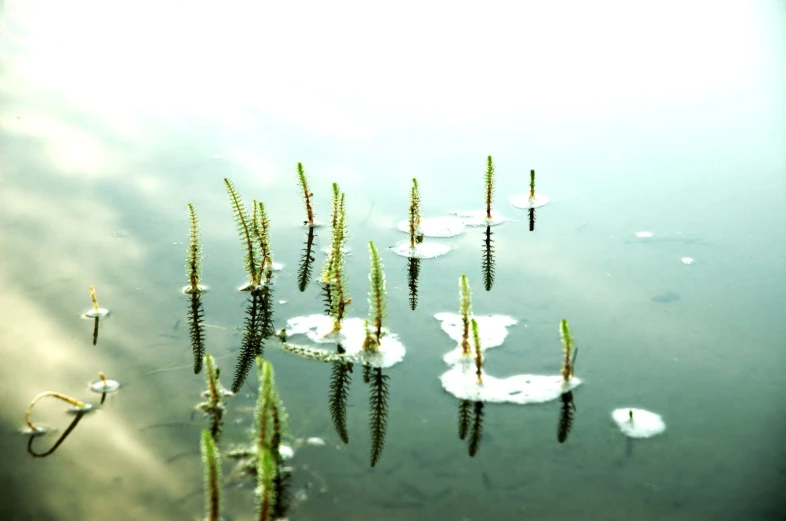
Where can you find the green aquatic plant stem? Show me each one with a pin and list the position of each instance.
(567, 342)
(269, 431)
(414, 214)
(307, 194)
(489, 179)
(211, 462)
(531, 185)
(478, 352)
(377, 290)
(193, 253)
(213, 393)
(465, 310)
(244, 227)
(341, 297)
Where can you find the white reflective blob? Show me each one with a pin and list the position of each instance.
(687, 260)
(478, 218)
(638, 423)
(462, 382)
(491, 328)
(436, 226)
(96, 313)
(523, 201)
(109, 386)
(644, 235)
(319, 329)
(424, 250)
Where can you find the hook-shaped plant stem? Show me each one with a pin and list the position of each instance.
(79, 406)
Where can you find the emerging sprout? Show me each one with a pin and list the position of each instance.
(211, 461)
(307, 195)
(377, 293)
(104, 386)
(415, 234)
(193, 255)
(245, 231)
(531, 199)
(465, 310)
(478, 351)
(96, 312)
(567, 342)
(489, 179)
(638, 423)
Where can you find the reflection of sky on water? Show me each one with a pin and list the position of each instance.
(665, 118)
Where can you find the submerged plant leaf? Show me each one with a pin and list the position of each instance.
(487, 263)
(340, 380)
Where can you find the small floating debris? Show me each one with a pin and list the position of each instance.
(103, 385)
(644, 235)
(424, 250)
(687, 260)
(638, 423)
(96, 312)
(439, 227)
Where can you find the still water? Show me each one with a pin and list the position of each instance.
(663, 117)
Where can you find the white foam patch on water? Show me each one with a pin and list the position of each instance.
(687, 260)
(319, 329)
(644, 235)
(462, 382)
(478, 218)
(644, 424)
(436, 226)
(424, 250)
(492, 330)
(523, 201)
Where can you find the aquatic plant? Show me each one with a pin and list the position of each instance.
(567, 342)
(476, 430)
(246, 233)
(96, 312)
(258, 324)
(333, 272)
(306, 262)
(77, 418)
(413, 274)
(530, 200)
(531, 213)
(465, 310)
(214, 406)
(478, 352)
(193, 254)
(272, 478)
(104, 386)
(464, 418)
(377, 293)
(489, 184)
(340, 381)
(415, 235)
(487, 261)
(378, 412)
(78, 406)
(567, 410)
(211, 461)
(532, 186)
(307, 195)
(195, 315)
(261, 227)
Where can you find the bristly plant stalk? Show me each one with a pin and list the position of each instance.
(531, 185)
(307, 194)
(489, 186)
(478, 352)
(341, 298)
(567, 342)
(193, 253)
(377, 290)
(212, 475)
(415, 235)
(465, 310)
(269, 432)
(245, 231)
(262, 233)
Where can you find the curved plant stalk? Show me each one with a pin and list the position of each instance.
(245, 231)
(478, 352)
(415, 235)
(476, 431)
(193, 253)
(307, 194)
(489, 182)
(59, 441)
(378, 412)
(79, 406)
(465, 310)
(487, 262)
(211, 461)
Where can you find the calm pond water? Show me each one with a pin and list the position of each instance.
(661, 117)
